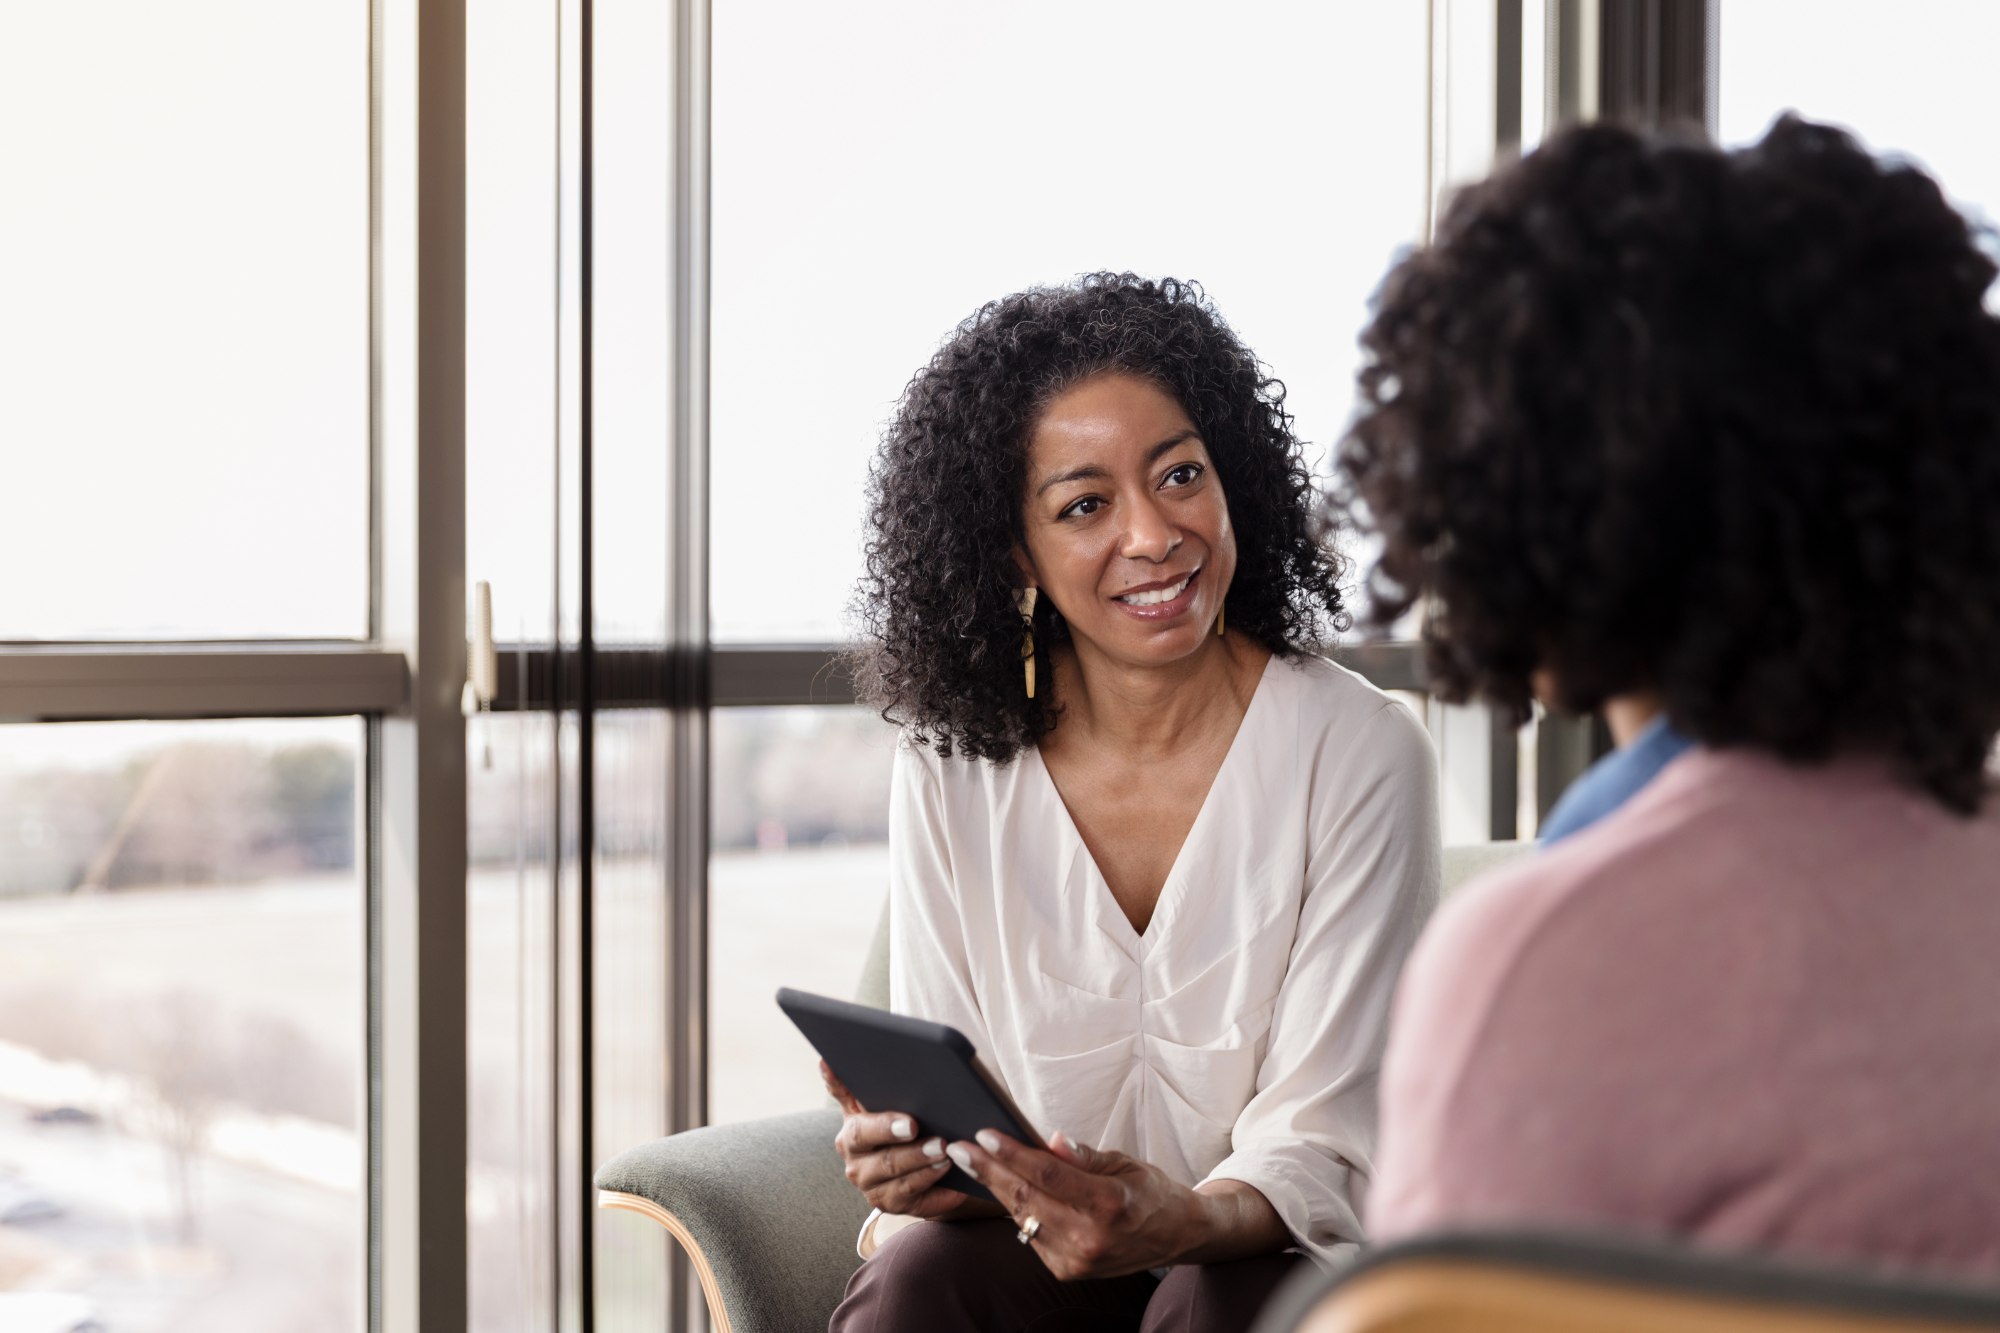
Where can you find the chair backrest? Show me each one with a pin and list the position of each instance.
(1460, 864)
(1467, 861)
(1522, 1283)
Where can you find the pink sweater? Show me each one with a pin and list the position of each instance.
(1758, 1006)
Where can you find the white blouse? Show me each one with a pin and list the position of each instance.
(1240, 1036)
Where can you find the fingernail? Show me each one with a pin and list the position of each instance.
(962, 1159)
(901, 1127)
(988, 1140)
(933, 1147)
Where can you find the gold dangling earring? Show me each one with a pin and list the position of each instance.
(1218, 618)
(1025, 599)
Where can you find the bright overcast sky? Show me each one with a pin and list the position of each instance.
(183, 373)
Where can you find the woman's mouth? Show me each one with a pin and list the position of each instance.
(1162, 601)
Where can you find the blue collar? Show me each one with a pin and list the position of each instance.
(1614, 780)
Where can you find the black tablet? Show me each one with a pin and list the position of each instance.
(927, 1071)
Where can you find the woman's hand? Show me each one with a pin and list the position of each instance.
(1103, 1214)
(897, 1174)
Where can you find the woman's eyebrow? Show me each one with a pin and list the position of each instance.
(1090, 471)
(1084, 473)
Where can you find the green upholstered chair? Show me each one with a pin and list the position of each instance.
(763, 1208)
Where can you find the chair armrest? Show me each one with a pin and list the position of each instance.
(1479, 1281)
(763, 1209)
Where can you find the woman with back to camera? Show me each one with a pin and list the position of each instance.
(1158, 863)
(1715, 438)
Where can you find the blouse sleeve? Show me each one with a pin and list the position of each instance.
(928, 974)
(1306, 1140)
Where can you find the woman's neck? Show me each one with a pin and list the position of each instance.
(1626, 715)
(1149, 711)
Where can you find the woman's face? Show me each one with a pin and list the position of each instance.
(1127, 531)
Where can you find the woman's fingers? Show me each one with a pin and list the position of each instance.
(905, 1180)
(933, 1202)
(1067, 1237)
(838, 1090)
(865, 1131)
(922, 1163)
(1029, 1182)
(1104, 1221)
(1041, 1171)
(886, 1160)
(917, 1194)
(1084, 1157)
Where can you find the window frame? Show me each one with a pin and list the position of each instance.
(403, 681)
(406, 679)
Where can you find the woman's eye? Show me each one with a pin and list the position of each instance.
(1183, 475)
(1089, 504)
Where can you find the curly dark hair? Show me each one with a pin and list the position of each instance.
(942, 636)
(1650, 415)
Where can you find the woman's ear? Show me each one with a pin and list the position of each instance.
(1542, 682)
(1026, 566)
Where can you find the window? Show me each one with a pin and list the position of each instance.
(182, 1022)
(184, 364)
(282, 385)
(882, 170)
(1908, 80)
(797, 883)
(212, 821)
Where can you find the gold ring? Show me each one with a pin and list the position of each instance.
(1028, 1229)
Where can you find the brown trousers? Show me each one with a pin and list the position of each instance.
(974, 1277)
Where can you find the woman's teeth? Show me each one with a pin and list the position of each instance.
(1156, 596)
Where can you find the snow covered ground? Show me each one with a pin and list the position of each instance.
(277, 1201)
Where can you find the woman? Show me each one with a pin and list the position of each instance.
(1711, 440)
(1156, 861)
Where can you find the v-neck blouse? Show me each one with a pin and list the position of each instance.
(1240, 1036)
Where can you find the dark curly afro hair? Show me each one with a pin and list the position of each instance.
(1722, 425)
(942, 635)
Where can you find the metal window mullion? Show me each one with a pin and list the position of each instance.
(687, 658)
(417, 849)
(71, 682)
(768, 675)
(1656, 62)
(586, 845)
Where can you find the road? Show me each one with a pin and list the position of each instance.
(272, 1254)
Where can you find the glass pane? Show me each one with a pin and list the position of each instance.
(1913, 78)
(520, 906)
(797, 882)
(881, 169)
(511, 1021)
(632, 260)
(181, 1027)
(184, 361)
(630, 1027)
(510, 306)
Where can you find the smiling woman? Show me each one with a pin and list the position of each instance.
(1166, 894)
(939, 601)
(1128, 527)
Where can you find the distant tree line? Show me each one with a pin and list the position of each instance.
(794, 777)
(197, 812)
(817, 775)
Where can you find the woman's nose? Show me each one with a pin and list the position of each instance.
(1148, 535)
